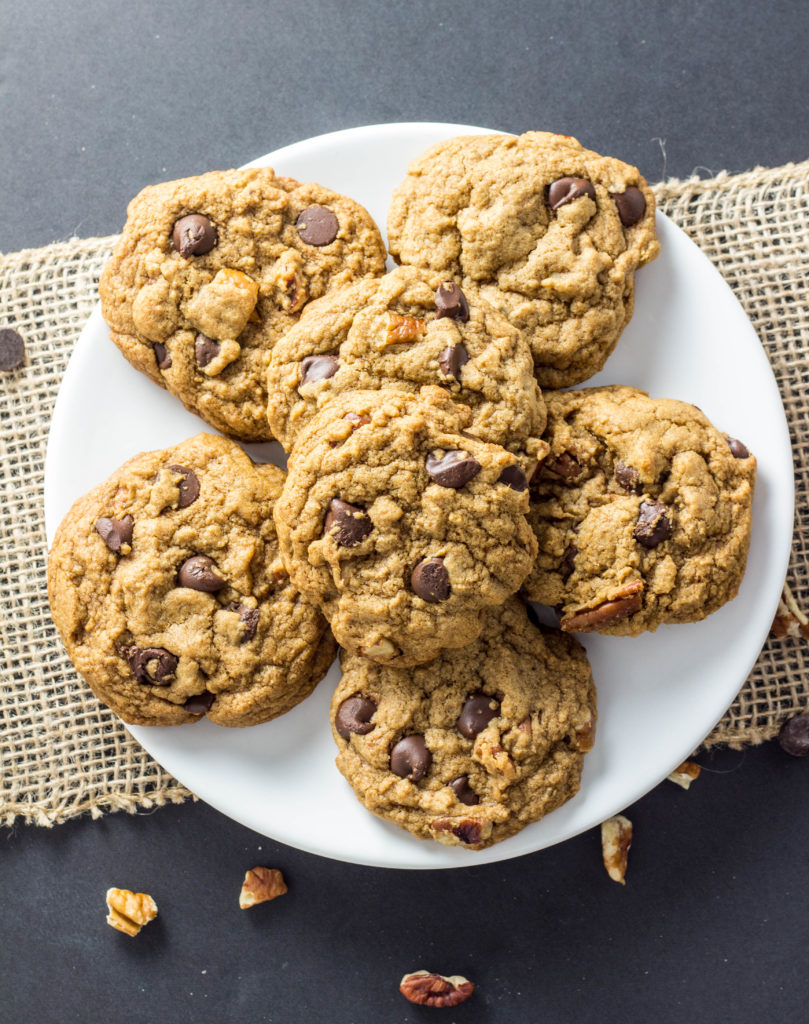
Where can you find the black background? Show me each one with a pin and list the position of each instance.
(99, 99)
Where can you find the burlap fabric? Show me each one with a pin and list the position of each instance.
(62, 753)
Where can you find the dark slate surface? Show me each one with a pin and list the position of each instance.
(98, 99)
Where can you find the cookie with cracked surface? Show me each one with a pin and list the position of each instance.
(210, 271)
(400, 525)
(550, 232)
(643, 512)
(166, 586)
(405, 330)
(473, 746)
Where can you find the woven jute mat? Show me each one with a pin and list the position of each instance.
(62, 753)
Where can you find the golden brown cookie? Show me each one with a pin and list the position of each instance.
(642, 512)
(402, 526)
(551, 233)
(210, 271)
(167, 589)
(405, 330)
(473, 746)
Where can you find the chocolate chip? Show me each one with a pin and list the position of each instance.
(627, 477)
(115, 532)
(318, 368)
(464, 791)
(12, 349)
(200, 703)
(353, 523)
(248, 617)
(410, 758)
(737, 449)
(631, 205)
(476, 714)
(205, 349)
(564, 465)
(568, 561)
(513, 477)
(151, 664)
(452, 359)
(198, 573)
(188, 486)
(606, 614)
(354, 715)
(565, 190)
(194, 235)
(430, 580)
(794, 736)
(653, 525)
(317, 225)
(162, 356)
(453, 469)
(451, 301)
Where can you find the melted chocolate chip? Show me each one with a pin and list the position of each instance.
(354, 715)
(793, 736)
(452, 359)
(568, 561)
(206, 349)
(12, 349)
(318, 368)
(451, 301)
(115, 532)
(352, 523)
(162, 356)
(194, 235)
(627, 477)
(564, 465)
(476, 714)
(188, 486)
(248, 617)
(410, 758)
(317, 225)
(464, 791)
(565, 190)
(198, 573)
(430, 580)
(737, 449)
(513, 477)
(453, 469)
(631, 205)
(154, 665)
(199, 703)
(653, 525)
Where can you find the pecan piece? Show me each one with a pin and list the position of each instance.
(290, 283)
(129, 911)
(616, 838)
(260, 885)
(466, 831)
(626, 602)
(427, 989)
(685, 774)
(403, 330)
(584, 734)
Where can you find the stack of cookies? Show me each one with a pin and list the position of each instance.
(432, 487)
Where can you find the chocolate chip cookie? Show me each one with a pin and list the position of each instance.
(551, 233)
(642, 512)
(401, 525)
(167, 589)
(475, 745)
(210, 271)
(403, 331)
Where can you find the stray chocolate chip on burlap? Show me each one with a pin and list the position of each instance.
(12, 349)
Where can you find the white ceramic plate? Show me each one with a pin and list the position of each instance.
(659, 694)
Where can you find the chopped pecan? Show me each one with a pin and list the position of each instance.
(260, 885)
(624, 603)
(129, 911)
(616, 838)
(403, 330)
(585, 732)
(380, 649)
(468, 831)
(428, 989)
(291, 283)
(685, 774)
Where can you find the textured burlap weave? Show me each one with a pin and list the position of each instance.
(62, 753)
